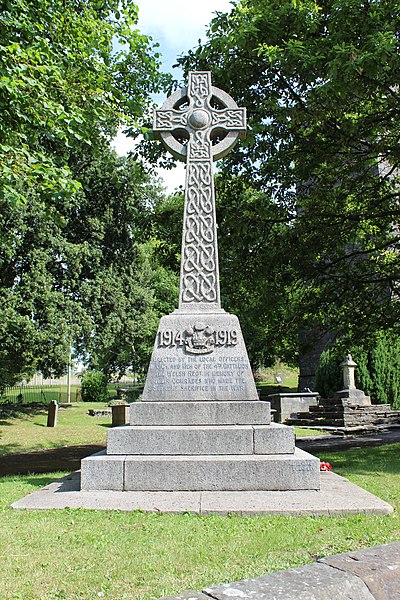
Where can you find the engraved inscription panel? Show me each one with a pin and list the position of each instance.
(201, 374)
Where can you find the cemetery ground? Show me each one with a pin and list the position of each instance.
(70, 554)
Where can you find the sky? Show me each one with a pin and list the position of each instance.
(176, 25)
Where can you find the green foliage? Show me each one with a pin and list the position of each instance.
(320, 84)
(377, 373)
(88, 279)
(71, 72)
(74, 219)
(94, 387)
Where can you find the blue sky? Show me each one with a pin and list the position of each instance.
(176, 25)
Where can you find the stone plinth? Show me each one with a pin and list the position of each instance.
(289, 405)
(201, 439)
(201, 413)
(352, 397)
(297, 471)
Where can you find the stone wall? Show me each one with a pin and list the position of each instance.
(288, 406)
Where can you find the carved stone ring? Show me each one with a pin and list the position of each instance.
(171, 122)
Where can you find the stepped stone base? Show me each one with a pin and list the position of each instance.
(198, 440)
(337, 413)
(297, 471)
(198, 446)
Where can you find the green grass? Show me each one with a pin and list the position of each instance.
(304, 432)
(27, 431)
(86, 554)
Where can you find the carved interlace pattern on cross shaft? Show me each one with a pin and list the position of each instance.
(199, 260)
(200, 146)
(199, 89)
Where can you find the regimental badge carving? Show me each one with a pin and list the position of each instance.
(199, 338)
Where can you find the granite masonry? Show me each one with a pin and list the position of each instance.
(200, 424)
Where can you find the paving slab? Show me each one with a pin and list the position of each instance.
(378, 568)
(311, 582)
(337, 496)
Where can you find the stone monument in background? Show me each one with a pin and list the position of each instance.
(200, 424)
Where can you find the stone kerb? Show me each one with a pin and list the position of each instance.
(372, 574)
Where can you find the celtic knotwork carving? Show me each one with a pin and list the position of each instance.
(199, 88)
(199, 266)
(229, 119)
(166, 119)
(190, 114)
(200, 146)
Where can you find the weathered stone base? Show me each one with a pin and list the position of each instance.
(352, 397)
(246, 412)
(298, 471)
(203, 439)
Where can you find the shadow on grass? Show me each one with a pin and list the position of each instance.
(363, 461)
(11, 411)
(7, 449)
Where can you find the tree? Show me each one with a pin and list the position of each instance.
(64, 87)
(320, 83)
(76, 264)
(90, 278)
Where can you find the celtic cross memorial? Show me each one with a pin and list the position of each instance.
(199, 353)
(200, 424)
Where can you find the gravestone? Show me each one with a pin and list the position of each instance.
(200, 424)
(52, 414)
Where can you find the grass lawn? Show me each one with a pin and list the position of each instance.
(88, 554)
(26, 431)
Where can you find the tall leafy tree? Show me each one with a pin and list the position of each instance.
(71, 72)
(319, 79)
(76, 265)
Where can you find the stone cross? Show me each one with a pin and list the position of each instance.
(199, 124)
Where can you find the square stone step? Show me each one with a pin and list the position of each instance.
(206, 439)
(298, 471)
(246, 412)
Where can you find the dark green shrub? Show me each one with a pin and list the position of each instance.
(94, 387)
